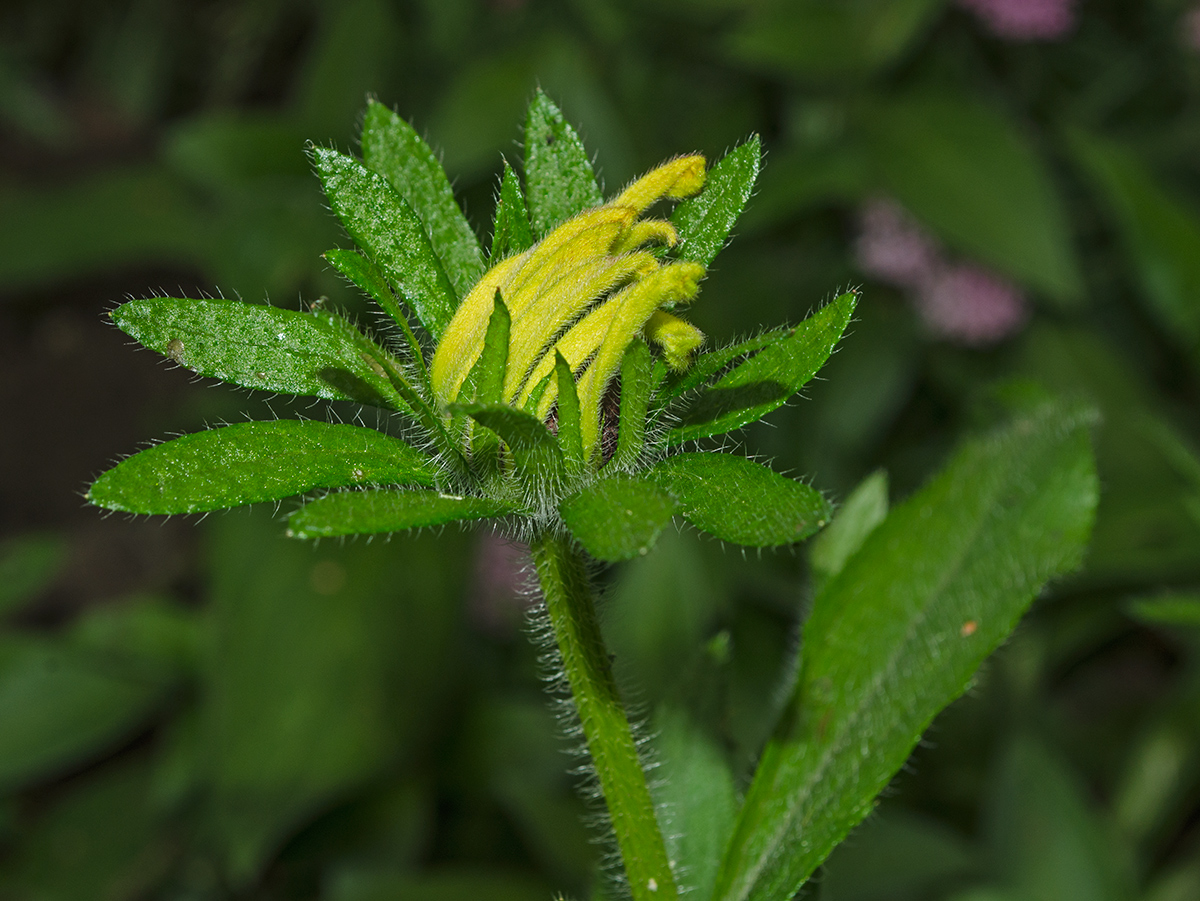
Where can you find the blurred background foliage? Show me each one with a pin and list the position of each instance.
(207, 711)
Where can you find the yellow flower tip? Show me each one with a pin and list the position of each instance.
(677, 338)
(675, 179)
(644, 232)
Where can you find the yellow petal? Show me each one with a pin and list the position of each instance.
(677, 338)
(462, 341)
(681, 177)
(560, 303)
(675, 282)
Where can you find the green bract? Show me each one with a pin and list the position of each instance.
(547, 390)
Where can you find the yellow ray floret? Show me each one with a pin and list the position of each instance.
(585, 290)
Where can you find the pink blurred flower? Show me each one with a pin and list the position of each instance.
(959, 302)
(893, 247)
(1025, 20)
(969, 305)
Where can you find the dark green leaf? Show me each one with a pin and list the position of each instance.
(570, 436)
(257, 461)
(327, 664)
(930, 594)
(704, 221)
(386, 510)
(1167, 610)
(319, 353)
(535, 451)
(636, 370)
(618, 518)
(380, 221)
(966, 170)
(511, 232)
(558, 174)
(898, 856)
(764, 382)
(1045, 840)
(696, 800)
(1161, 233)
(27, 565)
(60, 707)
(456, 884)
(741, 501)
(808, 38)
(102, 838)
(865, 508)
(392, 148)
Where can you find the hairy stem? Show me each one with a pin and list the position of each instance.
(568, 592)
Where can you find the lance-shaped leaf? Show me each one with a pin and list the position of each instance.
(1160, 231)
(636, 372)
(558, 174)
(710, 364)
(486, 381)
(256, 461)
(535, 451)
(898, 633)
(865, 508)
(386, 510)
(570, 433)
(741, 501)
(370, 279)
(380, 221)
(754, 388)
(318, 354)
(511, 232)
(392, 148)
(618, 518)
(704, 221)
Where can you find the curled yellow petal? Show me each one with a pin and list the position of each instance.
(643, 232)
(678, 338)
(680, 177)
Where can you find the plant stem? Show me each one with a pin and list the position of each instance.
(569, 600)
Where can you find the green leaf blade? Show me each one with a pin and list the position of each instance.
(967, 170)
(865, 508)
(765, 381)
(381, 221)
(558, 173)
(618, 518)
(931, 593)
(253, 462)
(391, 147)
(511, 232)
(535, 451)
(741, 501)
(316, 354)
(1161, 234)
(705, 221)
(386, 510)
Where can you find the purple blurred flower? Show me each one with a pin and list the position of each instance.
(969, 305)
(959, 302)
(893, 247)
(1025, 20)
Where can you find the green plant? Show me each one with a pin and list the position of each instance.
(559, 391)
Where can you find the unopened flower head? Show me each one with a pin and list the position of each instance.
(586, 291)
